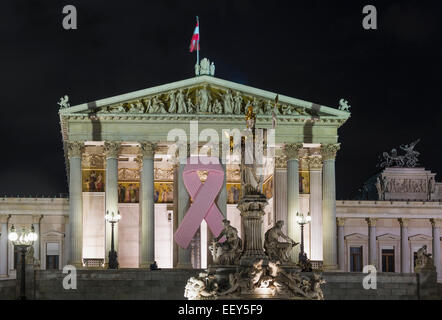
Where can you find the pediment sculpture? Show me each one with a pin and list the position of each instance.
(203, 99)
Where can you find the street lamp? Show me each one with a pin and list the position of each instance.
(22, 244)
(112, 218)
(302, 220)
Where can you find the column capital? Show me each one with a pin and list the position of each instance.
(75, 148)
(371, 222)
(340, 222)
(403, 222)
(314, 163)
(36, 218)
(328, 151)
(436, 223)
(111, 149)
(291, 150)
(148, 149)
(4, 218)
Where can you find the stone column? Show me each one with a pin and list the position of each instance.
(280, 190)
(436, 224)
(111, 149)
(341, 243)
(147, 255)
(405, 246)
(372, 252)
(315, 166)
(75, 149)
(36, 219)
(66, 247)
(293, 229)
(328, 153)
(3, 246)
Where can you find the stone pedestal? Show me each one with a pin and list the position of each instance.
(252, 211)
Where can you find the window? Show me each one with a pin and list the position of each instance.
(52, 255)
(387, 260)
(356, 259)
(414, 259)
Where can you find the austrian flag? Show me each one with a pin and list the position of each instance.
(194, 42)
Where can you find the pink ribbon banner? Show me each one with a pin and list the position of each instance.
(203, 195)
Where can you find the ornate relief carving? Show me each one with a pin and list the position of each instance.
(436, 223)
(291, 150)
(148, 149)
(75, 148)
(127, 174)
(340, 222)
(281, 162)
(111, 149)
(314, 162)
(403, 222)
(163, 174)
(233, 175)
(328, 151)
(371, 222)
(93, 161)
(397, 185)
(203, 99)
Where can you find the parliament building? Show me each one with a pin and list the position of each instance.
(118, 159)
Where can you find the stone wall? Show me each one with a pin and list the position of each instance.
(169, 284)
(7, 289)
(390, 286)
(122, 284)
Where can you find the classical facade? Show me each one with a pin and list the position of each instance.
(121, 156)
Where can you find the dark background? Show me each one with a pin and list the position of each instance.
(311, 50)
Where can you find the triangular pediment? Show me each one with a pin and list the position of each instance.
(356, 237)
(388, 237)
(203, 95)
(420, 237)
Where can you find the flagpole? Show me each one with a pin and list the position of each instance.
(198, 43)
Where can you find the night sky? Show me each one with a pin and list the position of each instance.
(312, 50)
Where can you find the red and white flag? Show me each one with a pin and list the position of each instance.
(194, 42)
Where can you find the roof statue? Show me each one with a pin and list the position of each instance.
(64, 102)
(393, 159)
(343, 105)
(205, 67)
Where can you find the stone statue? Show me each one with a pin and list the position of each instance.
(204, 66)
(379, 187)
(172, 102)
(157, 106)
(217, 107)
(197, 69)
(191, 108)
(212, 69)
(200, 288)
(411, 156)
(431, 187)
(181, 101)
(257, 106)
(343, 105)
(204, 99)
(229, 251)
(136, 107)
(228, 102)
(238, 103)
(424, 260)
(410, 159)
(64, 102)
(276, 250)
